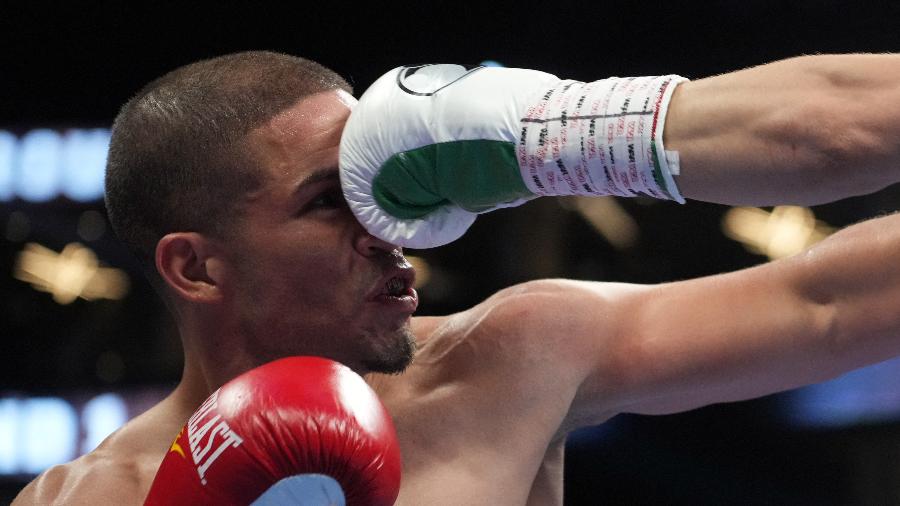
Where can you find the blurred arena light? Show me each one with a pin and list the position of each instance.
(49, 435)
(73, 273)
(423, 270)
(864, 396)
(44, 164)
(101, 416)
(39, 432)
(785, 231)
(607, 217)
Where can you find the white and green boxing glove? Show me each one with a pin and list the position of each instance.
(429, 147)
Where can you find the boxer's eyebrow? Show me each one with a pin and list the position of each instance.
(318, 176)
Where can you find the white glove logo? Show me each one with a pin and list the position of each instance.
(426, 80)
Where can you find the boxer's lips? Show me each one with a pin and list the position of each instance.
(396, 289)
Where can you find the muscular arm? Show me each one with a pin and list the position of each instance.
(805, 130)
(677, 346)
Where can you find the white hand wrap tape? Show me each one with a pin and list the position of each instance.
(600, 138)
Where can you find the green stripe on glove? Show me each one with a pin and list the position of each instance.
(476, 175)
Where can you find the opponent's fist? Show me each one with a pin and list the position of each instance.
(427, 148)
(300, 430)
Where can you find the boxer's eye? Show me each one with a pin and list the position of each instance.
(331, 198)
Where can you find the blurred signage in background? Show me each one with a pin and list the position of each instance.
(39, 432)
(43, 164)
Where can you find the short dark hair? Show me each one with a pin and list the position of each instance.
(177, 158)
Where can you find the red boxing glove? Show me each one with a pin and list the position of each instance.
(300, 430)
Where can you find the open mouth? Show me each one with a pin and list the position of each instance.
(397, 290)
(397, 286)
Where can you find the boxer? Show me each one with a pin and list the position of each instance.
(223, 177)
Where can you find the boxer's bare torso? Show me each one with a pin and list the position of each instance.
(478, 413)
(483, 412)
(468, 436)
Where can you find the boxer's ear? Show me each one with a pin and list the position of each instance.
(189, 263)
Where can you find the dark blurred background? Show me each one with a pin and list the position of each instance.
(85, 343)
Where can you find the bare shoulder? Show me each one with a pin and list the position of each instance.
(537, 332)
(522, 354)
(553, 311)
(96, 478)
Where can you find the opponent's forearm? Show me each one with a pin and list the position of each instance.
(804, 130)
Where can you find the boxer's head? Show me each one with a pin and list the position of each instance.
(222, 178)
(177, 158)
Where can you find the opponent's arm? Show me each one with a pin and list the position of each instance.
(417, 167)
(678, 346)
(804, 130)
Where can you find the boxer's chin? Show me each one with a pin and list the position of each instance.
(395, 356)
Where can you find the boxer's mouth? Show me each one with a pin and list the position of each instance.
(396, 287)
(398, 283)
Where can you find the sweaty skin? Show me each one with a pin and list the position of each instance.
(483, 411)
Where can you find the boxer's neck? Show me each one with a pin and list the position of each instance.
(214, 351)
